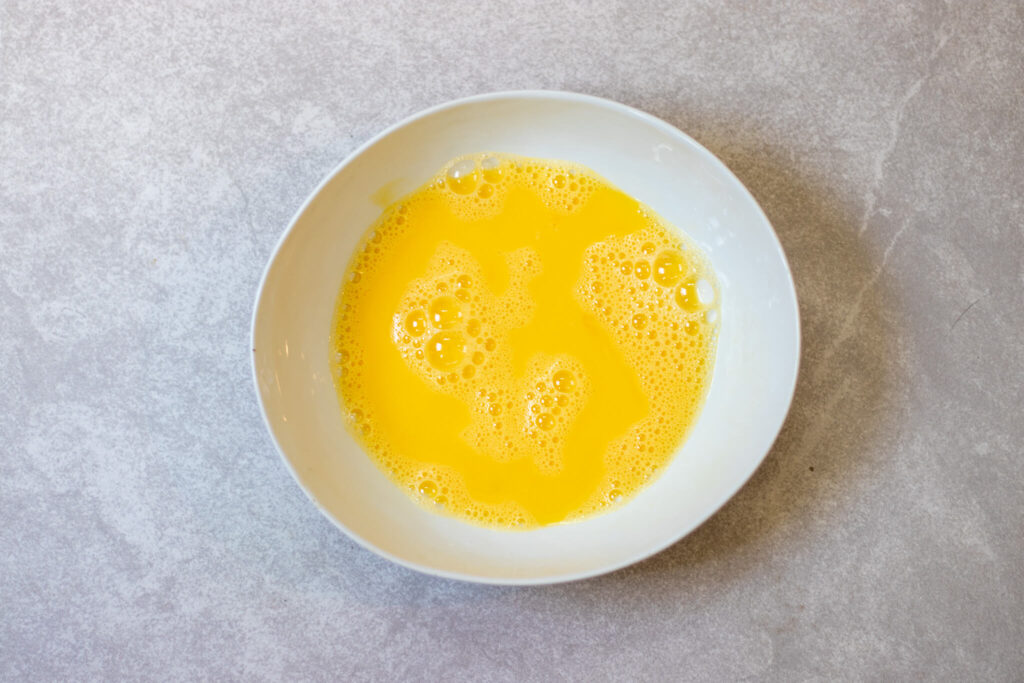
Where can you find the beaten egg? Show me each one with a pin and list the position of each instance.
(518, 343)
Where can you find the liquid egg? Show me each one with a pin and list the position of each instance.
(517, 343)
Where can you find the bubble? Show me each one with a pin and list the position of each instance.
(558, 181)
(711, 317)
(416, 323)
(547, 400)
(468, 371)
(668, 268)
(545, 421)
(356, 276)
(648, 248)
(639, 320)
(445, 350)
(563, 381)
(491, 167)
(428, 488)
(494, 409)
(478, 357)
(625, 267)
(461, 176)
(463, 282)
(485, 191)
(686, 296)
(642, 270)
(490, 345)
(445, 312)
(562, 400)
(705, 292)
(473, 328)
(691, 327)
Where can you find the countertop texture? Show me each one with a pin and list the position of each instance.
(152, 153)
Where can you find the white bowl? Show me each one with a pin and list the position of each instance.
(754, 376)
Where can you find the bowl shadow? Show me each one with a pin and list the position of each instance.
(849, 378)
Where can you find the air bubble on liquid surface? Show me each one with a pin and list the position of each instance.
(668, 268)
(686, 296)
(461, 177)
(445, 350)
(705, 292)
(711, 317)
(416, 323)
(491, 168)
(445, 312)
(563, 381)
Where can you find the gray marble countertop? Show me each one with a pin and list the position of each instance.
(151, 156)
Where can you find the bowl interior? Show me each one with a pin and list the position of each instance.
(754, 373)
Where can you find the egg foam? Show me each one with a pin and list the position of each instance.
(517, 343)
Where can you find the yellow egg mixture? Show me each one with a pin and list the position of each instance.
(517, 343)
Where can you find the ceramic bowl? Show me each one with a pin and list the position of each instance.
(754, 375)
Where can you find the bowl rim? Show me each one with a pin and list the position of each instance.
(557, 96)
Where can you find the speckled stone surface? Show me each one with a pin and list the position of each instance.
(150, 156)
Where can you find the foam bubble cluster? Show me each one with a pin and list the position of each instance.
(654, 293)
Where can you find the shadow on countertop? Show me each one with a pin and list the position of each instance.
(850, 374)
(843, 406)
